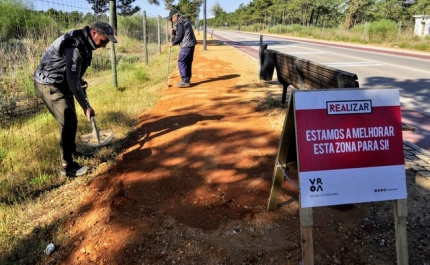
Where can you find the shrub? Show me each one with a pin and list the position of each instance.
(132, 26)
(99, 63)
(278, 29)
(141, 75)
(382, 31)
(421, 46)
(257, 27)
(127, 62)
(358, 29)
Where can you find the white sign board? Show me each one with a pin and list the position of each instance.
(350, 146)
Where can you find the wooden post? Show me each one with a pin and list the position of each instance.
(204, 26)
(341, 81)
(167, 32)
(399, 32)
(306, 223)
(400, 213)
(112, 10)
(159, 34)
(261, 56)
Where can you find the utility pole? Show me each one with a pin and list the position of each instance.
(204, 25)
(197, 24)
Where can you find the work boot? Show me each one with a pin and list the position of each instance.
(73, 170)
(183, 84)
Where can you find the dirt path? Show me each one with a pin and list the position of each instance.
(192, 185)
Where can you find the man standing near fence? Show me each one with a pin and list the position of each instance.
(184, 36)
(58, 81)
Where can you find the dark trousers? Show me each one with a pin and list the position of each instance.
(62, 107)
(185, 61)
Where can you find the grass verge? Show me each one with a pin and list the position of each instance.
(35, 203)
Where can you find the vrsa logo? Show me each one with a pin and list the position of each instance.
(349, 107)
(316, 185)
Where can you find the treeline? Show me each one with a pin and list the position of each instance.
(327, 13)
(19, 20)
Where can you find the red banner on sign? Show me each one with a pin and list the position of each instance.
(330, 142)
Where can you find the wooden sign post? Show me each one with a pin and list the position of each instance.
(349, 149)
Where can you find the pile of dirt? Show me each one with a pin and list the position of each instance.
(193, 183)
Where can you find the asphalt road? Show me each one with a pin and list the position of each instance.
(375, 67)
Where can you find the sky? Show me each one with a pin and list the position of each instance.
(227, 5)
(151, 10)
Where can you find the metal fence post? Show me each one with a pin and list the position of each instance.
(159, 34)
(145, 43)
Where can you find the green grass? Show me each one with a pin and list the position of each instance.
(40, 181)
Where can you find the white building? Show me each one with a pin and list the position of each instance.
(422, 25)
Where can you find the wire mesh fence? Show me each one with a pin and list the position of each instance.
(29, 138)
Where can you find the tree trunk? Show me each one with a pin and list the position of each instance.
(347, 23)
(283, 17)
(312, 16)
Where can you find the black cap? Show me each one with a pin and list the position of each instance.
(105, 28)
(171, 14)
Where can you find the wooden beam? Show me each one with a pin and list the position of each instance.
(287, 136)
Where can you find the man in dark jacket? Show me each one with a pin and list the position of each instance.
(184, 36)
(58, 80)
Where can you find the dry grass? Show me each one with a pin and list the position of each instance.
(34, 198)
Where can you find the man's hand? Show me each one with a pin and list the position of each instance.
(89, 113)
(170, 44)
(84, 85)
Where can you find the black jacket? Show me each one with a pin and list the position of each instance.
(65, 62)
(184, 33)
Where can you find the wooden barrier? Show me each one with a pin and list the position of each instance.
(303, 74)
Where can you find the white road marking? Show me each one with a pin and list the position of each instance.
(344, 64)
(350, 56)
(293, 53)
